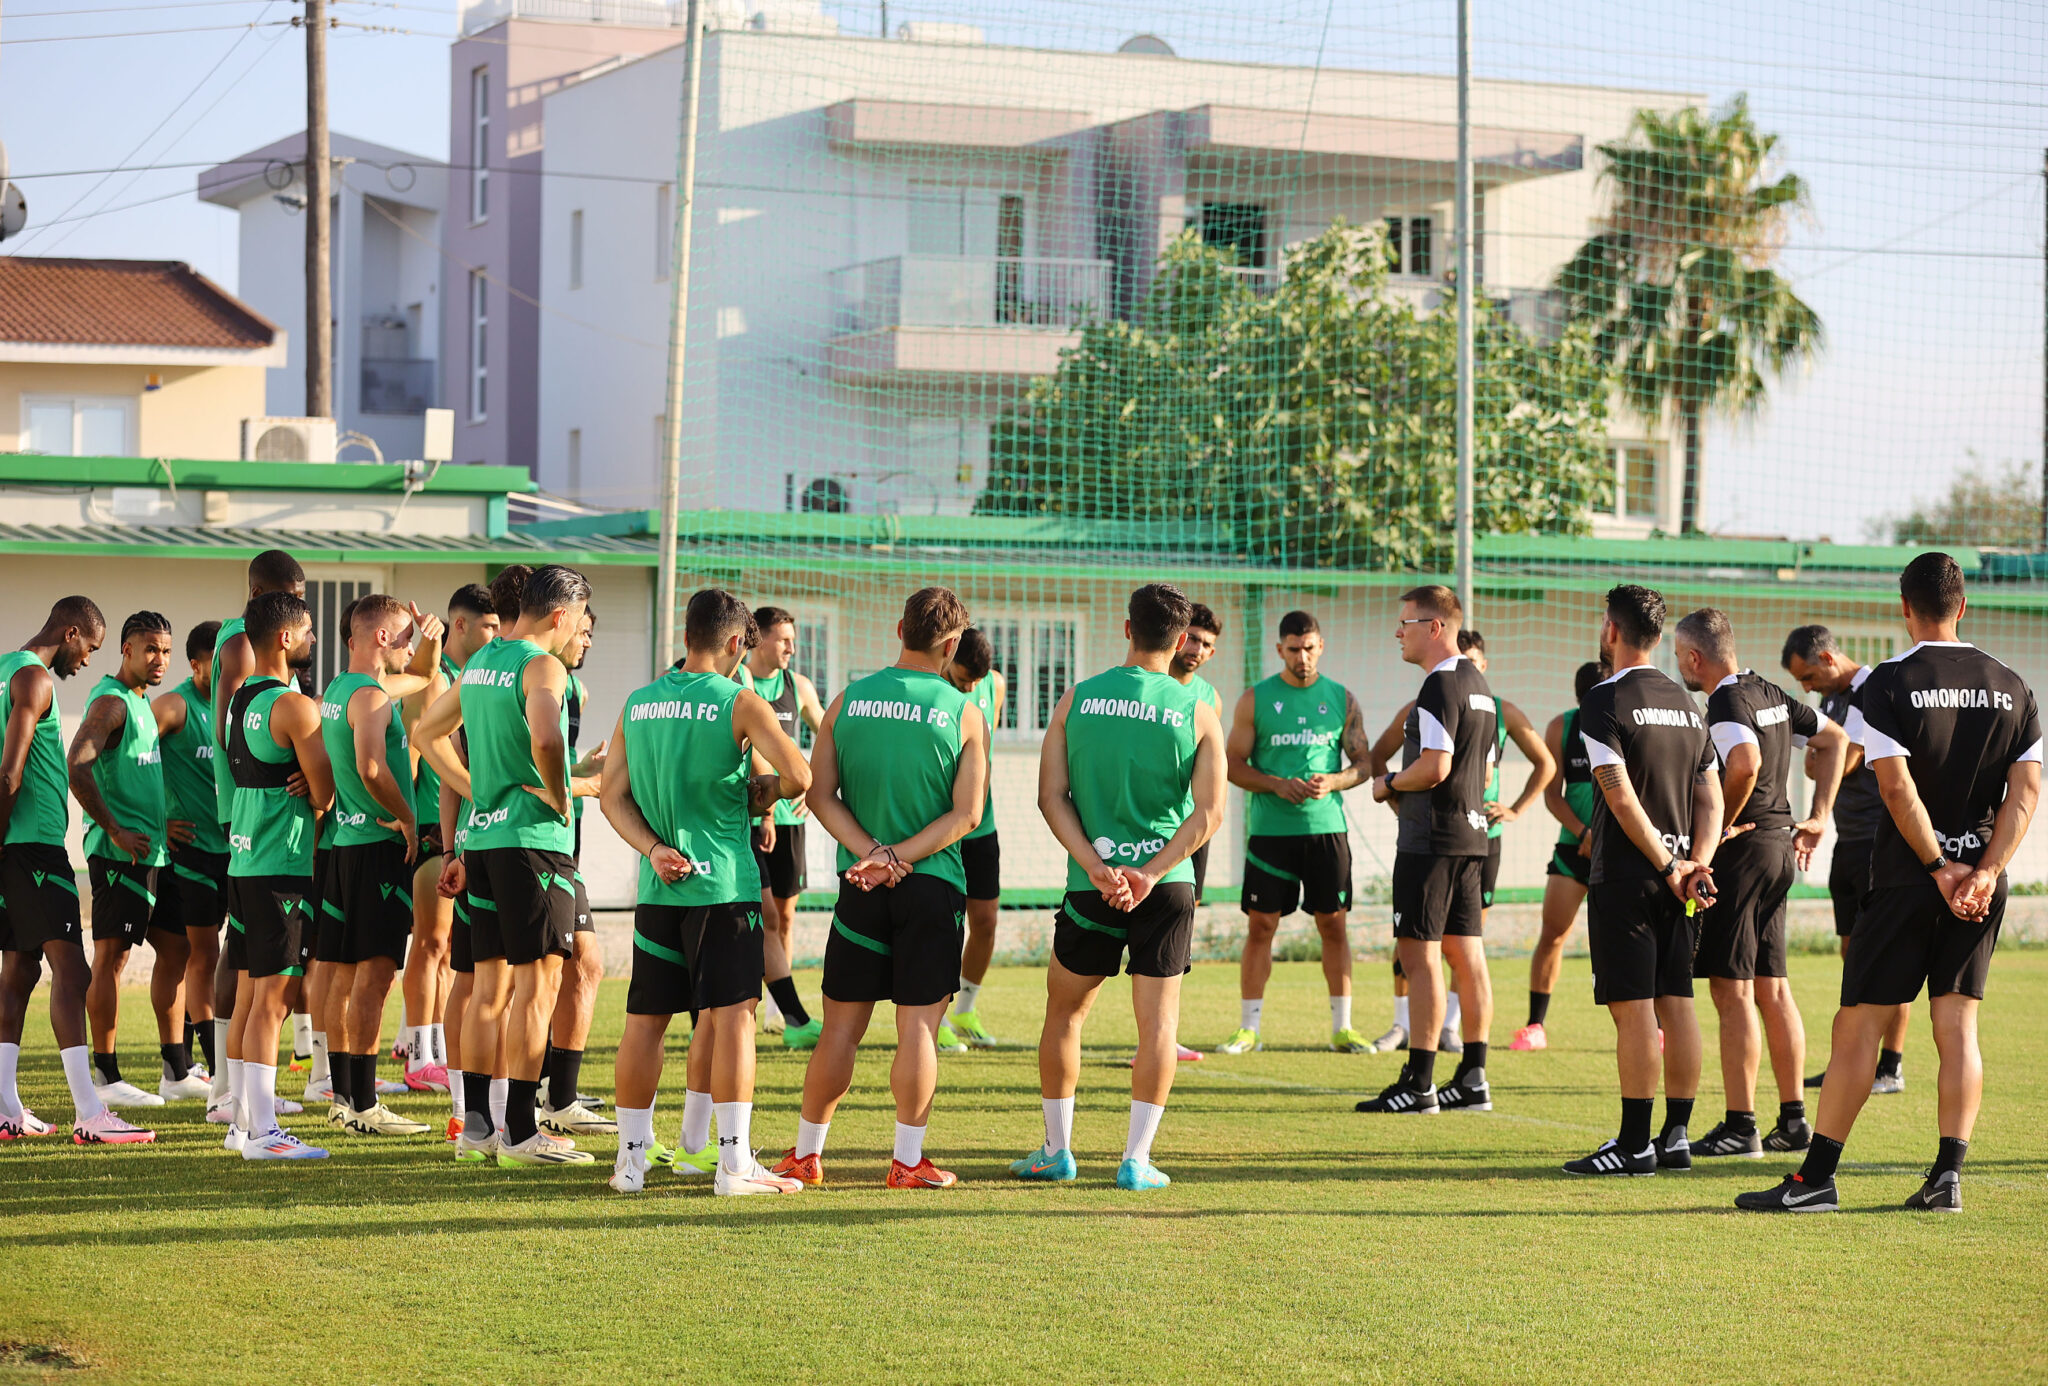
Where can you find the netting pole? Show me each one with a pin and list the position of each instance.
(1466, 289)
(678, 324)
(2044, 351)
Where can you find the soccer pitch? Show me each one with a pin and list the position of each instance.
(1299, 1241)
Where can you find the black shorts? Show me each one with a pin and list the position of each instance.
(430, 841)
(1200, 861)
(1743, 935)
(192, 892)
(322, 856)
(982, 859)
(1641, 941)
(1489, 875)
(1437, 897)
(1089, 938)
(522, 904)
(1565, 861)
(782, 869)
(367, 905)
(40, 895)
(899, 944)
(123, 899)
(269, 925)
(1849, 881)
(1312, 870)
(1906, 936)
(461, 955)
(584, 923)
(694, 958)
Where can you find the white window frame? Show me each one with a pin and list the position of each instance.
(127, 404)
(1658, 459)
(576, 249)
(328, 590)
(479, 345)
(664, 230)
(479, 144)
(1026, 705)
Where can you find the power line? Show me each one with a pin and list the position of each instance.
(143, 33)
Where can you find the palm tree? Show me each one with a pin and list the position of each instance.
(1688, 312)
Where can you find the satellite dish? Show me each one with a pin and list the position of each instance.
(1150, 44)
(13, 211)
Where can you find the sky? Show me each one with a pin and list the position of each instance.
(1920, 129)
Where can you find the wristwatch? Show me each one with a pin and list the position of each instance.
(1933, 866)
(1670, 868)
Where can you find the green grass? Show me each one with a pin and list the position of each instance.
(1299, 1241)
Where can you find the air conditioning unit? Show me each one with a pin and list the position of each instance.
(288, 440)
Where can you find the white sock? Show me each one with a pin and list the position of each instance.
(1452, 1010)
(455, 1090)
(404, 1045)
(1248, 1013)
(78, 1077)
(963, 1003)
(734, 1119)
(1144, 1126)
(501, 1089)
(320, 1066)
(223, 1089)
(909, 1143)
(262, 1099)
(1059, 1123)
(636, 1126)
(1401, 1011)
(696, 1121)
(238, 1094)
(1340, 1013)
(810, 1137)
(770, 1012)
(10, 1095)
(437, 1044)
(302, 1035)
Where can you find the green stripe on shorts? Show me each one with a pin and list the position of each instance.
(196, 877)
(648, 945)
(1268, 868)
(861, 940)
(148, 895)
(1120, 935)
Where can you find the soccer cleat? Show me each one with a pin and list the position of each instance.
(380, 1120)
(1044, 1166)
(121, 1093)
(629, 1170)
(773, 1022)
(475, 1150)
(235, 1139)
(427, 1078)
(1817, 1079)
(575, 1120)
(454, 1129)
(1886, 1084)
(23, 1127)
(1611, 1161)
(1398, 1099)
(922, 1175)
(1787, 1137)
(1724, 1142)
(398, 1054)
(968, 1027)
(221, 1113)
(279, 1144)
(1530, 1037)
(1396, 1037)
(190, 1088)
(392, 1087)
(105, 1128)
(688, 1166)
(804, 1036)
(1139, 1175)
(337, 1113)
(752, 1180)
(284, 1106)
(660, 1156)
(1243, 1040)
(1349, 1041)
(1463, 1095)
(805, 1169)
(1449, 1041)
(1942, 1193)
(1187, 1055)
(539, 1149)
(1792, 1195)
(949, 1042)
(319, 1089)
(1674, 1151)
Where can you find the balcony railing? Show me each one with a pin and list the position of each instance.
(642, 14)
(397, 387)
(968, 291)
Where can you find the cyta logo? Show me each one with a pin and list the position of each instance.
(1104, 848)
(241, 843)
(1128, 851)
(1476, 819)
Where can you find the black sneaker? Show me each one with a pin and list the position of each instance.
(1817, 1079)
(1725, 1142)
(1466, 1093)
(1399, 1099)
(1942, 1193)
(1674, 1151)
(1792, 1195)
(1611, 1160)
(1795, 1135)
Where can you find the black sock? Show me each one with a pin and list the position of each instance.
(520, 1096)
(1821, 1158)
(1635, 1123)
(1539, 1006)
(177, 1061)
(1950, 1156)
(191, 1033)
(206, 1046)
(476, 1104)
(1888, 1061)
(341, 1072)
(1740, 1122)
(365, 1081)
(1421, 1069)
(1789, 1112)
(1474, 1057)
(107, 1066)
(1677, 1112)
(562, 1070)
(783, 989)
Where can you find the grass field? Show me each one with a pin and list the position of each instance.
(1299, 1241)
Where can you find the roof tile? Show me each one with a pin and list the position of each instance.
(122, 303)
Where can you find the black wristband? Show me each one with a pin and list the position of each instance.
(1935, 865)
(1670, 868)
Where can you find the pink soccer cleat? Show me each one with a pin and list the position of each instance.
(427, 1078)
(108, 1129)
(1530, 1037)
(22, 1127)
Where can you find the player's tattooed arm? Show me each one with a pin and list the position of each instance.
(1627, 812)
(102, 722)
(1358, 751)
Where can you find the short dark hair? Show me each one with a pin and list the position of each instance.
(1809, 643)
(1709, 631)
(372, 611)
(552, 587)
(473, 597)
(713, 617)
(767, 617)
(82, 612)
(1201, 617)
(1298, 623)
(975, 654)
(931, 616)
(345, 624)
(201, 639)
(1439, 601)
(274, 570)
(508, 591)
(1932, 585)
(270, 614)
(144, 623)
(1159, 614)
(1637, 613)
(1590, 673)
(1470, 640)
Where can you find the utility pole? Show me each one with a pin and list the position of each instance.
(1466, 288)
(678, 330)
(2044, 352)
(319, 288)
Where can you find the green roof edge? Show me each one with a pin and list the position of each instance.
(37, 469)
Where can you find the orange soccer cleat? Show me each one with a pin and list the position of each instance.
(923, 1175)
(805, 1169)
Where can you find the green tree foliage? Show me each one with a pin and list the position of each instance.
(1985, 507)
(1313, 425)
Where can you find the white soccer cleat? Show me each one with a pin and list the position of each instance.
(575, 1120)
(190, 1088)
(279, 1144)
(284, 1106)
(235, 1139)
(540, 1149)
(629, 1171)
(221, 1113)
(380, 1120)
(320, 1090)
(22, 1127)
(125, 1094)
(752, 1180)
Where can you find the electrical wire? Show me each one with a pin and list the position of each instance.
(141, 33)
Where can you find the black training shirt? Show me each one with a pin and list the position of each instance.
(1747, 707)
(1857, 804)
(1962, 720)
(1644, 722)
(1454, 712)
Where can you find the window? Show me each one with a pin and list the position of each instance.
(1409, 244)
(664, 229)
(479, 345)
(328, 598)
(1396, 238)
(78, 426)
(479, 144)
(1038, 657)
(814, 659)
(824, 495)
(1239, 229)
(576, 250)
(575, 462)
(1636, 481)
